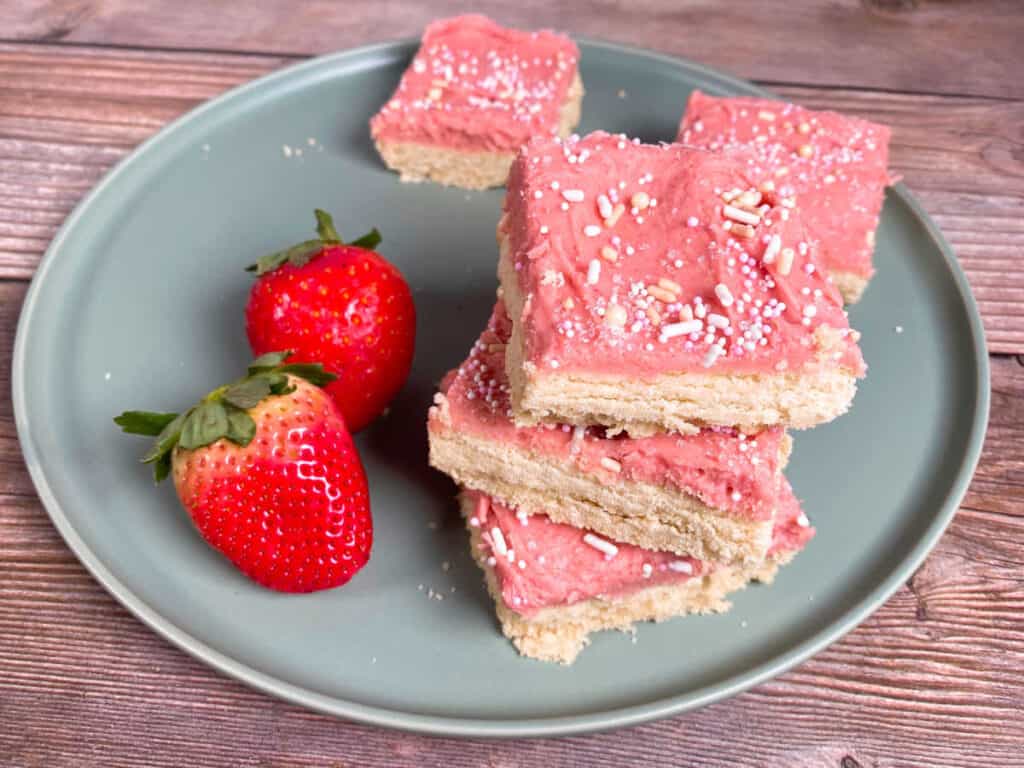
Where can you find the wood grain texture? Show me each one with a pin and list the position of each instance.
(934, 678)
(68, 114)
(950, 47)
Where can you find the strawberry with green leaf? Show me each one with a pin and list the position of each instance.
(341, 304)
(267, 470)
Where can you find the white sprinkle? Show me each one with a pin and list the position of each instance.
(684, 328)
(802, 521)
(600, 544)
(713, 354)
(538, 194)
(474, 522)
(594, 272)
(106, 376)
(810, 310)
(616, 316)
(680, 566)
(736, 496)
(544, 229)
(898, 329)
(610, 464)
(718, 321)
(286, 150)
(522, 564)
(604, 206)
(592, 230)
(774, 246)
(498, 541)
(647, 570)
(693, 221)
(740, 215)
(786, 261)
(724, 294)
(573, 195)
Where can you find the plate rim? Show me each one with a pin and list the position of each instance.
(442, 725)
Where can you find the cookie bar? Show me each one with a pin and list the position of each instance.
(832, 165)
(554, 584)
(712, 494)
(661, 288)
(475, 92)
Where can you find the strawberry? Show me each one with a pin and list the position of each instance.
(269, 475)
(340, 304)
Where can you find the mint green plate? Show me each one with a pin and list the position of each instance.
(138, 303)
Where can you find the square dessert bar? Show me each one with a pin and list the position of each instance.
(473, 94)
(712, 495)
(554, 584)
(834, 166)
(662, 287)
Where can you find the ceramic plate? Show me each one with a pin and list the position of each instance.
(138, 303)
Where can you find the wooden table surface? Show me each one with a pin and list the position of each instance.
(934, 678)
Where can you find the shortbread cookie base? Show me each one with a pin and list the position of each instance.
(559, 634)
(416, 162)
(649, 516)
(671, 402)
(850, 285)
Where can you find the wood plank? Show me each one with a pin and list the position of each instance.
(945, 656)
(68, 114)
(952, 47)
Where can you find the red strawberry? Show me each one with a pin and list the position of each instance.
(269, 475)
(342, 305)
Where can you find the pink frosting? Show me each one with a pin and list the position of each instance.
(541, 564)
(475, 85)
(833, 165)
(617, 295)
(727, 470)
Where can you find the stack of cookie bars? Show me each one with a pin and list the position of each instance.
(665, 313)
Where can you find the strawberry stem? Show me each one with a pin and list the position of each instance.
(325, 227)
(221, 414)
(299, 255)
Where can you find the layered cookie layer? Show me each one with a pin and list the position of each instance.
(473, 94)
(655, 288)
(833, 166)
(554, 584)
(712, 494)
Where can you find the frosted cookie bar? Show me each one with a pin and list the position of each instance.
(474, 92)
